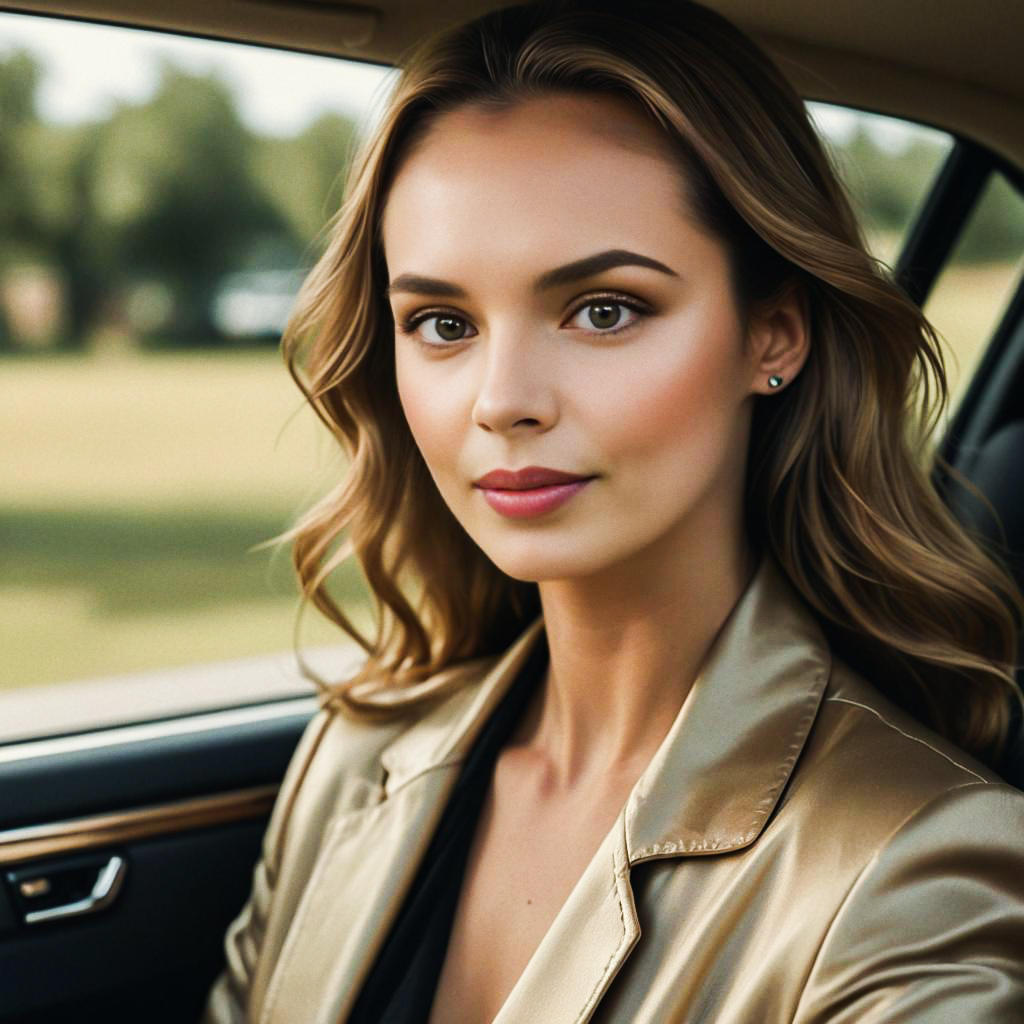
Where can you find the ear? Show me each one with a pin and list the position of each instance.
(778, 341)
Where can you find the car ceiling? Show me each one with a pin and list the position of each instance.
(954, 64)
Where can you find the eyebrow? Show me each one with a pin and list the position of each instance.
(416, 284)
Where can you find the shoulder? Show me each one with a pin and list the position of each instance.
(871, 750)
(339, 762)
(931, 913)
(876, 779)
(930, 908)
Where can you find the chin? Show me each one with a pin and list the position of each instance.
(537, 560)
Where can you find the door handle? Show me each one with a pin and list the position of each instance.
(101, 881)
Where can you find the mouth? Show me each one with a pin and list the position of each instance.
(528, 502)
(530, 478)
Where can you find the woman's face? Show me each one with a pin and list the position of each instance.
(555, 305)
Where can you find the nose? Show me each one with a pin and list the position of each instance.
(517, 389)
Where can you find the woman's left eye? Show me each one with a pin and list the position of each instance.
(605, 316)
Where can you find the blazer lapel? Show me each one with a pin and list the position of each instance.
(366, 864)
(718, 775)
(589, 940)
(369, 857)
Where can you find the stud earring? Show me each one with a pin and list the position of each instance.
(774, 381)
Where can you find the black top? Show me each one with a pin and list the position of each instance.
(401, 984)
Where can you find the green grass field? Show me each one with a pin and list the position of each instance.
(135, 487)
(135, 490)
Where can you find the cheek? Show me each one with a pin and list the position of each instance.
(679, 402)
(430, 410)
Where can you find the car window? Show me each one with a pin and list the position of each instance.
(977, 283)
(888, 167)
(891, 168)
(160, 201)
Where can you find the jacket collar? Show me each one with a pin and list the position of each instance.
(721, 769)
(717, 775)
(445, 733)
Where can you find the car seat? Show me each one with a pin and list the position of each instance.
(997, 470)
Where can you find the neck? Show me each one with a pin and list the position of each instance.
(625, 650)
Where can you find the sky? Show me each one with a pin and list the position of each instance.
(89, 68)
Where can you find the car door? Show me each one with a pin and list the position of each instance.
(125, 852)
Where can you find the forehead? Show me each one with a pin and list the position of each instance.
(605, 118)
(530, 173)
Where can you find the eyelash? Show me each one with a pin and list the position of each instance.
(409, 324)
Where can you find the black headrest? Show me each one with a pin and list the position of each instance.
(998, 472)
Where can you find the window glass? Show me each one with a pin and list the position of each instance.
(888, 167)
(978, 281)
(160, 200)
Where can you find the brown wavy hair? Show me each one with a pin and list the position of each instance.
(838, 487)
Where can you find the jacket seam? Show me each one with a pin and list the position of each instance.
(417, 773)
(871, 862)
(915, 739)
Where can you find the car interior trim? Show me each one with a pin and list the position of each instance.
(105, 891)
(101, 830)
(147, 732)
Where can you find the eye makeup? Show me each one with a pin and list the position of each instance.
(410, 323)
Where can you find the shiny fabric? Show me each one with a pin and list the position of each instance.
(402, 983)
(798, 850)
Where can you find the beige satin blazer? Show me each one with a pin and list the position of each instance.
(798, 850)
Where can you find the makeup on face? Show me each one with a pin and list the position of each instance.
(529, 492)
(555, 306)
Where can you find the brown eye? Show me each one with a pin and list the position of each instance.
(441, 328)
(604, 315)
(451, 328)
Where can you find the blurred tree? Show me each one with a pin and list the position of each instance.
(304, 176)
(887, 186)
(995, 231)
(174, 195)
(65, 220)
(174, 190)
(19, 78)
(46, 172)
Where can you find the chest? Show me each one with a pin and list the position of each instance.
(534, 894)
(527, 854)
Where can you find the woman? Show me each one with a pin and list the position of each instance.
(680, 657)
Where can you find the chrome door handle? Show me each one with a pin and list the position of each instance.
(108, 882)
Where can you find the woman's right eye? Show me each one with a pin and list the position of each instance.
(439, 328)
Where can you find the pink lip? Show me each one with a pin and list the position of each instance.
(530, 477)
(532, 491)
